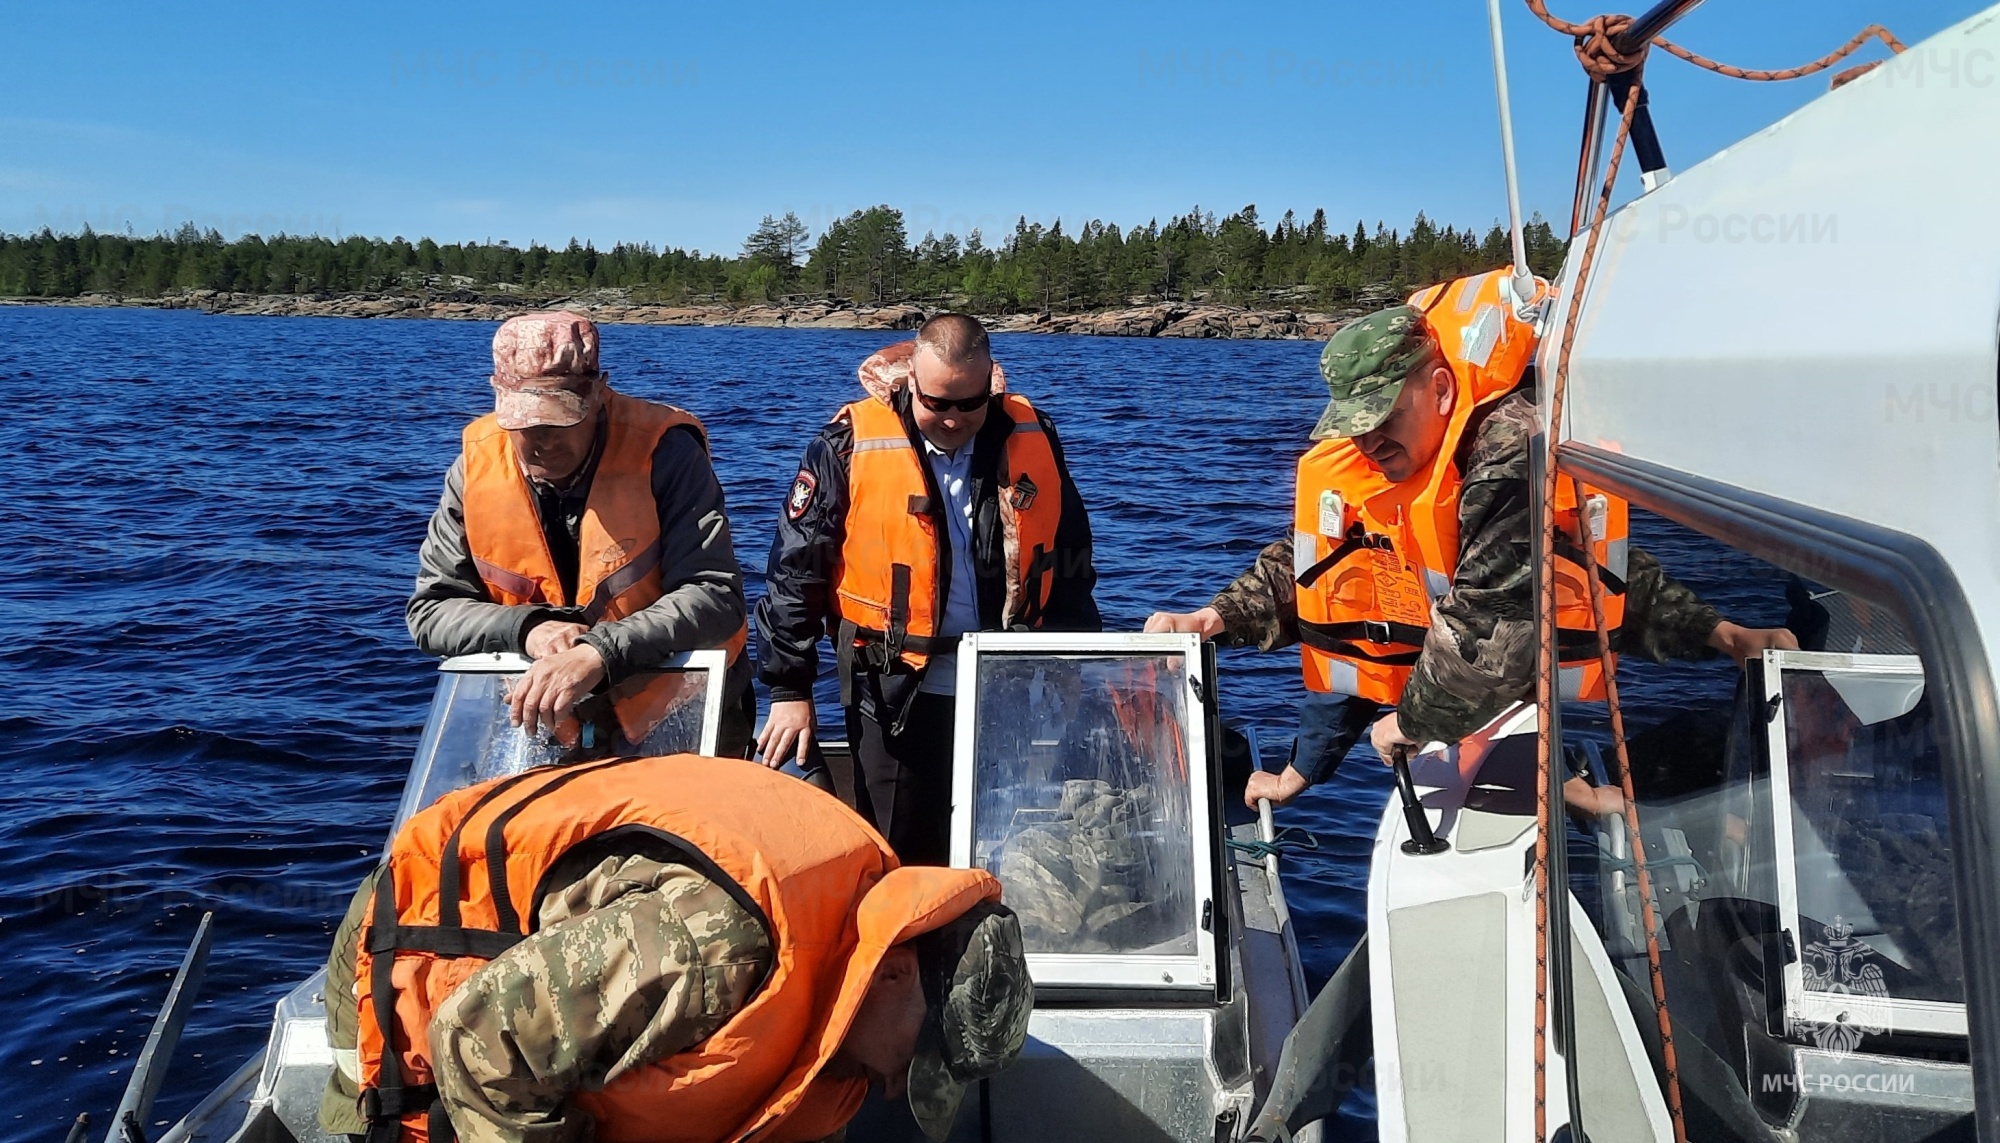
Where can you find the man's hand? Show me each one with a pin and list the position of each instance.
(551, 637)
(1586, 801)
(788, 729)
(552, 686)
(1386, 735)
(1206, 623)
(1279, 788)
(1745, 643)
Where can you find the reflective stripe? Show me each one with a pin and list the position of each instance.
(1027, 426)
(1569, 683)
(1468, 290)
(870, 446)
(513, 583)
(622, 580)
(1615, 557)
(1437, 583)
(1342, 678)
(1482, 333)
(1305, 547)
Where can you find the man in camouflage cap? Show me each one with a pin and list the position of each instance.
(1365, 365)
(1393, 391)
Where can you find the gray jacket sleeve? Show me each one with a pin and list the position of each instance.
(450, 613)
(701, 602)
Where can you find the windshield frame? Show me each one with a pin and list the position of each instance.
(1931, 1017)
(713, 662)
(1153, 972)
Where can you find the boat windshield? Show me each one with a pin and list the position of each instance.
(469, 736)
(1866, 847)
(1798, 843)
(1083, 802)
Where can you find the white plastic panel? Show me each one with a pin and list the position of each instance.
(1811, 314)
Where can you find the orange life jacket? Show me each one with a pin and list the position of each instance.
(1371, 556)
(465, 879)
(618, 543)
(892, 560)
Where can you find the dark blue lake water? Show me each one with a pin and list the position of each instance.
(208, 700)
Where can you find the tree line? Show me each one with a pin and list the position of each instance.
(866, 257)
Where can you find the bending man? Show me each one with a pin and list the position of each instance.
(712, 951)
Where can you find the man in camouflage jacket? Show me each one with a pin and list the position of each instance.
(635, 961)
(1479, 655)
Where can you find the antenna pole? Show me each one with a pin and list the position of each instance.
(1524, 281)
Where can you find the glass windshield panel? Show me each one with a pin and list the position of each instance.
(1870, 837)
(1083, 806)
(1794, 826)
(469, 738)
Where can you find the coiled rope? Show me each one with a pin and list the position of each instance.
(1290, 839)
(1597, 50)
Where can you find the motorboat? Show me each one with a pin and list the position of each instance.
(1820, 851)
(1093, 778)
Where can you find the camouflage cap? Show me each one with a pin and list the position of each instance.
(1364, 365)
(976, 979)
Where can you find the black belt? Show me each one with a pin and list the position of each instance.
(1337, 639)
(1356, 539)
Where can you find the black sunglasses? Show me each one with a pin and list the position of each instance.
(941, 405)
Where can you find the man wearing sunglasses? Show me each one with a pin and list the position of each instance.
(939, 504)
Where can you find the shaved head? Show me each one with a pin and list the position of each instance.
(956, 340)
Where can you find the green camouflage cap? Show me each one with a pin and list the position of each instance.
(976, 979)
(1364, 365)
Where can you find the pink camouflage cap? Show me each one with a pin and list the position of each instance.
(544, 370)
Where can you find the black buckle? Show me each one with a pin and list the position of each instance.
(1376, 631)
(873, 655)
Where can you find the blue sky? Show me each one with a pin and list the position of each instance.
(683, 124)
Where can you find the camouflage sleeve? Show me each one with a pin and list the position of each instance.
(1479, 655)
(635, 962)
(1664, 619)
(1261, 606)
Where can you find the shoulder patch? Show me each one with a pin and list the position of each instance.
(803, 490)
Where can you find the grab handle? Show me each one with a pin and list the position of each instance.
(1422, 841)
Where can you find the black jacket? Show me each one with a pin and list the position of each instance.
(799, 604)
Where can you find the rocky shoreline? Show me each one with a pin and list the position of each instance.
(1160, 319)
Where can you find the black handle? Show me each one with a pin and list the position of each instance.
(1422, 841)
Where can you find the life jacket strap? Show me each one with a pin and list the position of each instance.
(1040, 566)
(621, 581)
(440, 940)
(1567, 550)
(392, 1103)
(441, 1130)
(899, 610)
(1579, 645)
(1356, 539)
(1336, 639)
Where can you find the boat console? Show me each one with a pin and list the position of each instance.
(1090, 780)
